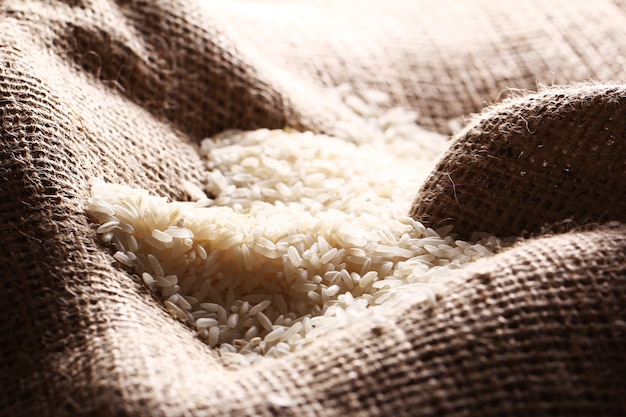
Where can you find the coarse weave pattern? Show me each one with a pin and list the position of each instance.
(446, 58)
(123, 90)
(558, 156)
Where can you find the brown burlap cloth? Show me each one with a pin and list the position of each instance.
(124, 90)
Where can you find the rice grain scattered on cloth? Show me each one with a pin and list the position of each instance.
(298, 233)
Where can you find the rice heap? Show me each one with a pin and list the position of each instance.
(302, 234)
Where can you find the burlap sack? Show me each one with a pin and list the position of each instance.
(124, 90)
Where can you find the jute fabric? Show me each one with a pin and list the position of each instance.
(124, 90)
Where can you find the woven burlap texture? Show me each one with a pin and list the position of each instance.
(447, 59)
(124, 90)
(554, 159)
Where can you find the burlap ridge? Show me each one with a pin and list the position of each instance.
(536, 161)
(124, 90)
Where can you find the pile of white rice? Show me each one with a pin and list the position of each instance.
(303, 234)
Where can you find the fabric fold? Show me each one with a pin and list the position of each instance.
(544, 160)
(124, 90)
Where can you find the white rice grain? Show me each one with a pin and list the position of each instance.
(259, 307)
